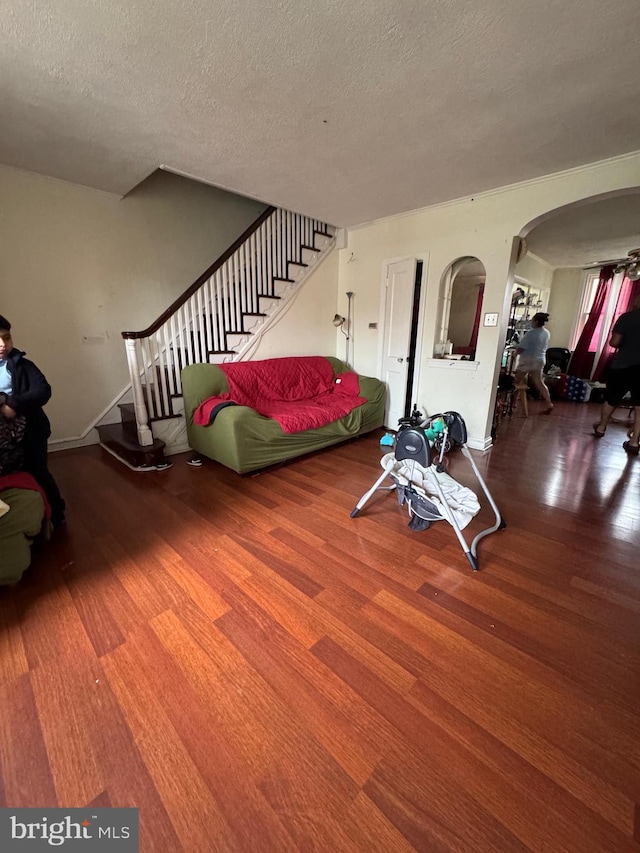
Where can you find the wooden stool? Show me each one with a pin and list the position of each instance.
(522, 394)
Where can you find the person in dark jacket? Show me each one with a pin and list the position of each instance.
(624, 376)
(24, 390)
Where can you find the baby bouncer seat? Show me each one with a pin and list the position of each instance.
(423, 486)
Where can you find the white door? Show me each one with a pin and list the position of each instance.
(398, 311)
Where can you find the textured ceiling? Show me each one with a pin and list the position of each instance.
(601, 230)
(347, 111)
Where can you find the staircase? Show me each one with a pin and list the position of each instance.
(220, 318)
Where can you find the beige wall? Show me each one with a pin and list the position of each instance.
(535, 271)
(566, 294)
(79, 264)
(305, 327)
(484, 227)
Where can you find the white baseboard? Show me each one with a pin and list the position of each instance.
(71, 443)
(481, 444)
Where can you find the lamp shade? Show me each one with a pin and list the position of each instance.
(338, 320)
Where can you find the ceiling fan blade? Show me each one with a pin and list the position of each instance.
(597, 264)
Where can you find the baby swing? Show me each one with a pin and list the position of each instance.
(423, 485)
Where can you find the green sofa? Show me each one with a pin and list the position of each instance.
(244, 441)
(19, 526)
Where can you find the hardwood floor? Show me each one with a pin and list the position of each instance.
(257, 671)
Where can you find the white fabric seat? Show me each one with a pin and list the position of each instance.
(462, 502)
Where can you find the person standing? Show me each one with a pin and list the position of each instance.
(532, 352)
(24, 390)
(624, 376)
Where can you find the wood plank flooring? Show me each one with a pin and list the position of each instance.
(257, 671)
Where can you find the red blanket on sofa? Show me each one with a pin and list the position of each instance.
(300, 393)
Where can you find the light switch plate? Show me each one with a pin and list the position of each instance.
(490, 319)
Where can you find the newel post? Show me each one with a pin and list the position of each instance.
(145, 436)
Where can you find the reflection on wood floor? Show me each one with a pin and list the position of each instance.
(256, 671)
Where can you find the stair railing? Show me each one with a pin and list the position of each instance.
(204, 320)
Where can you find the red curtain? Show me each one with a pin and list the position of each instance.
(476, 323)
(582, 359)
(627, 296)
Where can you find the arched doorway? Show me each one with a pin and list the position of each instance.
(566, 247)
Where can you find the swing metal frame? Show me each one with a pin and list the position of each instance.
(413, 448)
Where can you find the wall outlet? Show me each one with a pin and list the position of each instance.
(490, 319)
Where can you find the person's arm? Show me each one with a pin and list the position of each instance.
(37, 395)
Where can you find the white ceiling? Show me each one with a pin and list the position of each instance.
(597, 231)
(347, 111)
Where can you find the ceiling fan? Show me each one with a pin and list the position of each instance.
(629, 265)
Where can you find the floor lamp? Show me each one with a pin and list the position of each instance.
(349, 321)
(341, 322)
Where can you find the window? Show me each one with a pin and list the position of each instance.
(588, 295)
(599, 338)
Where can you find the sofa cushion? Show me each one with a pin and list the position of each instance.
(18, 527)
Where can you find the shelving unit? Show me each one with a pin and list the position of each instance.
(527, 300)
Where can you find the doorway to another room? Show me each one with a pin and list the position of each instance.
(579, 267)
(401, 320)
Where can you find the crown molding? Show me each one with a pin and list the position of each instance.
(552, 176)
